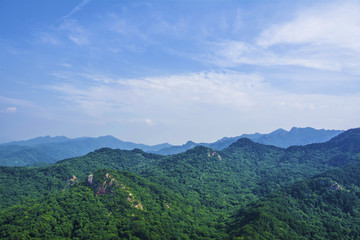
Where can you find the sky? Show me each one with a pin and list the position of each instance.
(172, 71)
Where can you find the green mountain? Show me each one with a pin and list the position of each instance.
(20, 183)
(108, 205)
(215, 183)
(247, 169)
(326, 206)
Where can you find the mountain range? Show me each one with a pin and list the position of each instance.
(45, 150)
(279, 138)
(51, 149)
(245, 191)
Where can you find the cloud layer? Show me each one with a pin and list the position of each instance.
(206, 98)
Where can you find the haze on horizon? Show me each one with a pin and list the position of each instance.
(172, 71)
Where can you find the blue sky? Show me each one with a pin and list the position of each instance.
(172, 71)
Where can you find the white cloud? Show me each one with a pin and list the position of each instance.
(217, 88)
(149, 122)
(336, 24)
(96, 77)
(179, 94)
(171, 94)
(10, 110)
(76, 32)
(48, 39)
(235, 53)
(67, 65)
(75, 9)
(202, 100)
(177, 29)
(324, 37)
(125, 27)
(18, 102)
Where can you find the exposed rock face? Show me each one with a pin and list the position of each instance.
(135, 203)
(72, 180)
(337, 187)
(90, 179)
(106, 186)
(214, 154)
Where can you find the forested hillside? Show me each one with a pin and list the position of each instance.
(216, 184)
(326, 206)
(108, 205)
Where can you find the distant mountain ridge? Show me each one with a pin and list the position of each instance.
(279, 138)
(38, 140)
(51, 149)
(297, 136)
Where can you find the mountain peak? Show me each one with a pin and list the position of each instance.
(297, 129)
(190, 144)
(107, 137)
(279, 131)
(242, 142)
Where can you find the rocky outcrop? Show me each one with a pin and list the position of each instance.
(107, 185)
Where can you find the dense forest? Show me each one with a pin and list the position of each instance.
(246, 191)
(327, 206)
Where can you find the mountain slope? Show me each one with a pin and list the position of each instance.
(22, 155)
(213, 183)
(220, 179)
(108, 205)
(20, 183)
(326, 206)
(247, 170)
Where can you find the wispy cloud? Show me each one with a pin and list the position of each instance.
(336, 24)
(235, 53)
(97, 77)
(169, 93)
(229, 89)
(48, 39)
(178, 29)
(75, 9)
(76, 32)
(149, 122)
(211, 95)
(126, 28)
(324, 37)
(67, 65)
(18, 102)
(10, 110)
